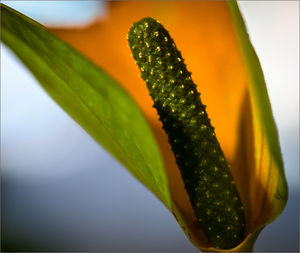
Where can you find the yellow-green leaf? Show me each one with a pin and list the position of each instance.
(268, 162)
(92, 98)
(216, 47)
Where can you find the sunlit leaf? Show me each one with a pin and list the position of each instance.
(216, 47)
(90, 96)
(269, 198)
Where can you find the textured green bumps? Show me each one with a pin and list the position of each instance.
(206, 174)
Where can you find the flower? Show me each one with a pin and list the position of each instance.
(217, 50)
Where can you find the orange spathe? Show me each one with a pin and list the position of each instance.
(205, 34)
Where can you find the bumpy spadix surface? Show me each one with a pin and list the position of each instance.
(205, 172)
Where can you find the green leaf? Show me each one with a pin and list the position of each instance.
(261, 104)
(90, 96)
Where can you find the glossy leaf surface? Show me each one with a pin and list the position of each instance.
(95, 100)
(217, 50)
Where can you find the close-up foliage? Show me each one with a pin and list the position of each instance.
(175, 92)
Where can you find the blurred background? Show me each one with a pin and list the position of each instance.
(60, 191)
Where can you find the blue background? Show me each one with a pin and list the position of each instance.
(60, 191)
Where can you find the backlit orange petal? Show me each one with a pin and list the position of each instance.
(205, 34)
